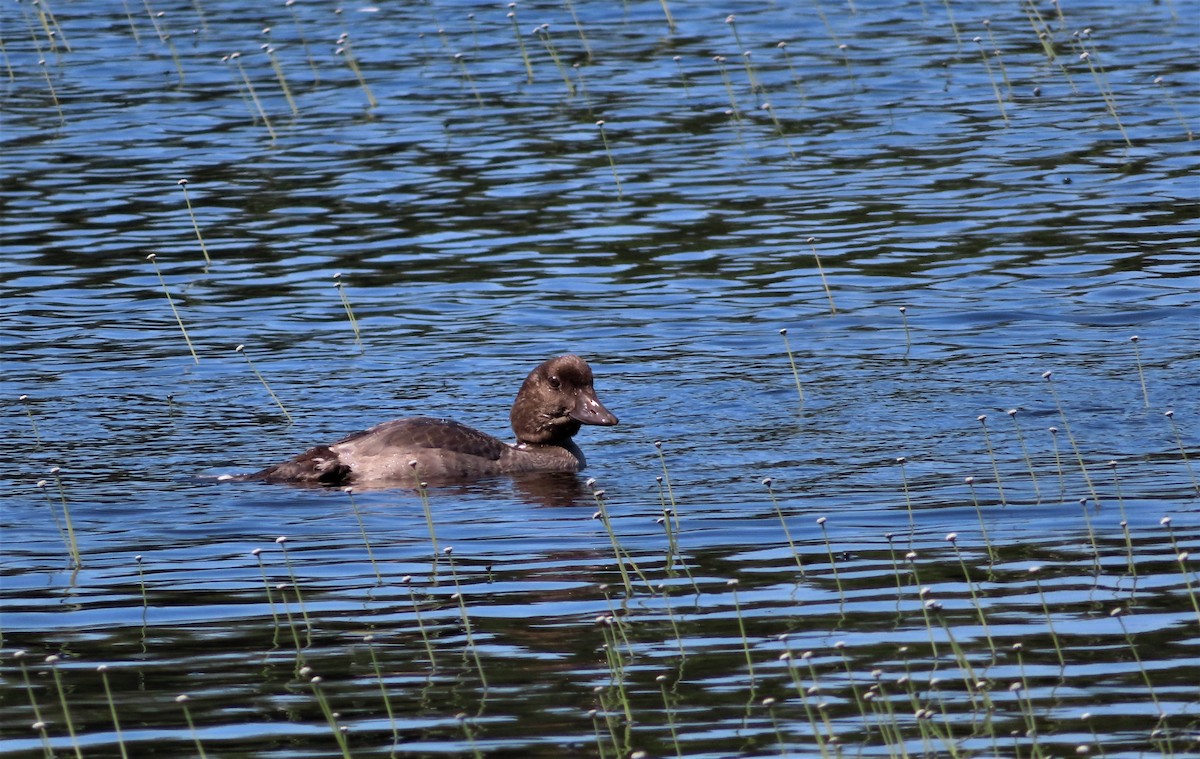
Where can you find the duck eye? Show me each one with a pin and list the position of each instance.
(555, 382)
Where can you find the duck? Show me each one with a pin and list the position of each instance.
(555, 400)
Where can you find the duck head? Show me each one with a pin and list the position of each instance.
(556, 398)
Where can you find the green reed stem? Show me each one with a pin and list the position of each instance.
(338, 734)
(236, 58)
(281, 541)
(1129, 563)
(363, 531)
(858, 698)
(1075, 446)
(153, 259)
(1012, 414)
(667, 12)
(987, 633)
(1182, 557)
(469, 732)
(783, 523)
(1137, 355)
(907, 332)
(466, 619)
(670, 713)
(73, 546)
(832, 562)
(1033, 572)
(287, 610)
(737, 610)
(792, 361)
(62, 533)
(1101, 78)
(987, 24)
(543, 33)
(112, 709)
(611, 161)
(37, 439)
(257, 554)
(137, 560)
(406, 581)
(619, 554)
(1119, 613)
(665, 592)
(922, 592)
(460, 59)
(283, 84)
(987, 441)
(347, 53)
(587, 49)
(383, 692)
(62, 700)
(812, 244)
(782, 47)
(1170, 415)
(39, 724)
(992, 78)
(895, 570)
(912, 523)
(183, 183)
(1158, 80)
(182, 700)
(1087, 519)
(312, 64)
(242, 350)
(512, 15)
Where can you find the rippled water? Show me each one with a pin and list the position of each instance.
(481, 222)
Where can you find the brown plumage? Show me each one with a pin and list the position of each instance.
(554, 401)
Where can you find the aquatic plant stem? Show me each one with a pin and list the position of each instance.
(1170, 415)
(1048, 376)
(112, 710)
(1034, 572)
(1141, 372)
(987, 441)
(512, 15)
(737, 610)
(37, 439)
(792, 361)
(363, 531)
(338, 734)
(832, 562)
(347, 54)
(406, 581)
(611, 161)
(466, 619)
(282, 541)
(182, 700)
(183, 183)
(1037, 492)
(242, 350)
(153, 259)
(783, 523)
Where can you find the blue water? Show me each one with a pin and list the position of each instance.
(476, 236)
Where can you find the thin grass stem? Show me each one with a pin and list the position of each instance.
(182, 700)
(153, 259)
(766, 481)
(792, 361)
(242, 350)
(611, 161)
(183, 183)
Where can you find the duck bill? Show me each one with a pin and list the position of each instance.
(589, 410)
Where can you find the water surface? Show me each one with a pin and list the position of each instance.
(480, 221)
